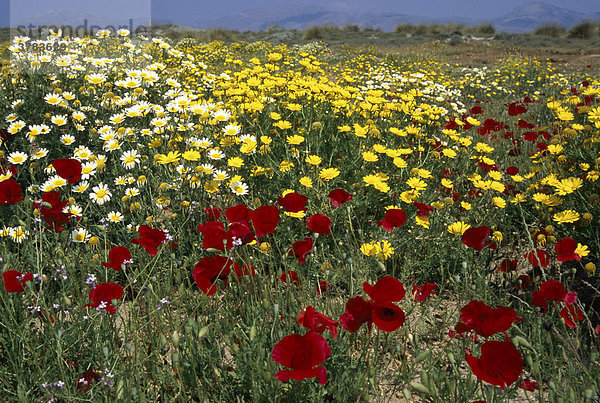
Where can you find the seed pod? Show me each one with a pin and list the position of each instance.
(419, 387)
(175, 338)
(203, 332)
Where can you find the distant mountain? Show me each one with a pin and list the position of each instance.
(75, 17)
(526, 18)
(289, 16)
(300, 16)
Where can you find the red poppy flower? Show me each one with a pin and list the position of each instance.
(476, 237)
(210, 269)
(323, 287)
(238, 213)
(290, 277)
(214, 236)
(421, 293)
(529, 386)
(500, 363)
(68, 169)
(476, 110)
(339, 197)
(508, 265)
(571, 314)
(51, 207)
(394, 218)
(387, 316)
(319, 223)
(565, 250)
(302, 248)
(245, 269)
(424, 209)
(213, 213)
(150, 239)
(265, 220)
(84, 382)
(358, 311)
(317, 322)
(538, 258)
(10, 192)
(515, 109)
(302, 354)
(103, 294)
(293, 202)
(524, 281)
(387, 289)
(550, 291)
(241, 232)
(512, 170)
(485, 320)
(14, 280)
(117, 256)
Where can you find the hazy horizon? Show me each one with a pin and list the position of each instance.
(201, 13)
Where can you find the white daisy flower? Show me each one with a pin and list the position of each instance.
(80, 235)
(130, 158)
(17, 157)
(100, 194)
(115, 216)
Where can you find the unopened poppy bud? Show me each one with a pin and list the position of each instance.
(105, 351)
(419, 387)
(203, 332)
(175, 338)
(407, 395)
(252, 332)
(451, 358)
(423, 355)
(529, 360)
(424, 377)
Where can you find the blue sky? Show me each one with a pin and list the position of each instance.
(195, 11)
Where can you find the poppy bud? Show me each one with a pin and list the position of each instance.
(175, 338)
(203, 332)
(529, 360)
(406, 394)
(419, 387)
(252, 332)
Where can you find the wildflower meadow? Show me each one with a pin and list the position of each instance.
(186, 221)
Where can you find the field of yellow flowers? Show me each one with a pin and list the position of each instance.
(198, 221)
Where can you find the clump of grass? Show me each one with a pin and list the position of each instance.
(351, 28)
(551, 29)
(484, 29)
(312, 33)
(584, 30)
